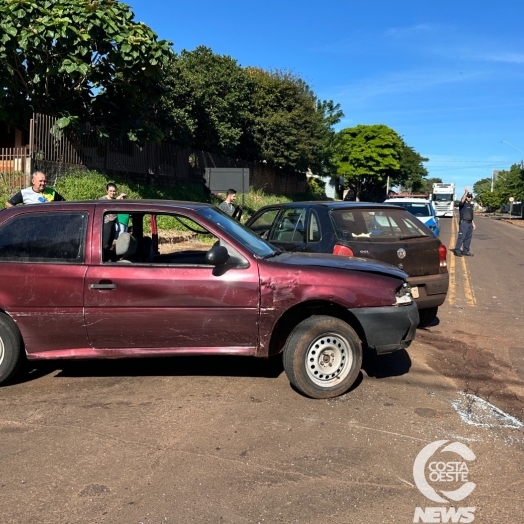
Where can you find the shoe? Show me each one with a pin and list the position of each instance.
(467, 254)
(457, 253)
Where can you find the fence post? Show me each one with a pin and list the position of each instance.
(27, 168)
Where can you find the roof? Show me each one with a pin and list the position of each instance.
(332, 204)
(408, 200)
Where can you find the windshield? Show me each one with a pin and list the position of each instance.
(239, 232)
(443, 197)
(376, 226)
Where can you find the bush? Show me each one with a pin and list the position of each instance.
(316, 187)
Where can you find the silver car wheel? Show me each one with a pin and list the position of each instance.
(328, 360)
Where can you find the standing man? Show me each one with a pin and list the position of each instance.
(38, 193)
(466, 227)
(227, 205)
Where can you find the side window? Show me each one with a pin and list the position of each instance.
(314, 234)
(177, 240)
(290, 225)
(263, 223)
(57, 237)
(350, 224)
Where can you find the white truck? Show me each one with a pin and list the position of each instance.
(443, 198)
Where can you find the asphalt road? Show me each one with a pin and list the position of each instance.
(227, 440)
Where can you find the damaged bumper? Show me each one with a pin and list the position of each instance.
(390, 328)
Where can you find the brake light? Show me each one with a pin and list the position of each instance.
(442, 254)
(342, 250)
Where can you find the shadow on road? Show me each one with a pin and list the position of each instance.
(227, 366)
(382, 366)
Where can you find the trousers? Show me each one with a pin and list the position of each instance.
(464, 236)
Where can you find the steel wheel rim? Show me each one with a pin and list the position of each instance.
(328, 360)
(2, 351)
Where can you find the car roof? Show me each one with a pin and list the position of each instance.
(333, 205)
(409, 200)
(116, 203)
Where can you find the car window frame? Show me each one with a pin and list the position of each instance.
(41, 217)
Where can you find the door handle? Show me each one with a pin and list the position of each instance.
(102, 286)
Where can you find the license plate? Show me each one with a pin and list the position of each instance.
(414, 291)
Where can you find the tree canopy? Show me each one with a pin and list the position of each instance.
(78, 59)
(411, 174)
(507, 184)
(214, 104)
(366, 155)
(290, 126)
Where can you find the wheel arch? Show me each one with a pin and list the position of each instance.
(296, 314)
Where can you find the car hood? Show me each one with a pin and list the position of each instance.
(339, 262)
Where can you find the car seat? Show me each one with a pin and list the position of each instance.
(125, 248)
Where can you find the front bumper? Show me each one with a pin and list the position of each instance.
(388, 329)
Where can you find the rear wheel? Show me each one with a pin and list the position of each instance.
(10, 348)
(427, 316)
(322, 357)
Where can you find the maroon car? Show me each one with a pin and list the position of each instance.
(223, 291)
(375, 231)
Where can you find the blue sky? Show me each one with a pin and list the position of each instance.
(447, 76)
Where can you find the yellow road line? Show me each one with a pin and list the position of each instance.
(451, 268)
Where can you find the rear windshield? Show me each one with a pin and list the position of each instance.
(419, 209)
(376, 226)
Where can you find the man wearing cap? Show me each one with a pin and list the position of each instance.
(467, 225)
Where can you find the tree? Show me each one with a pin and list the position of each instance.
(290, 127)
(508, 184)
(366, 155)
(428, 184)
(206, 103)
(484, 194)
(83, 60)
(411, 174)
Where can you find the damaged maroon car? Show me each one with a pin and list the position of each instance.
(223, 290)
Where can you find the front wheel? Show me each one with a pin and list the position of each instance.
(10, 348)
(322, 357)
(427, 316)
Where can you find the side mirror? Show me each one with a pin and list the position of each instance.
(217, 256)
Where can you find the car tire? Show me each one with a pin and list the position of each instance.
(322, 357)
(427, 316)
(10, 348)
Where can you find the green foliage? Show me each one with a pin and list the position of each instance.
(290, 126)
(366, 155)
(213, 104)
(428, 185)
(411, 174)
(317, 187)
(508, 184)
(88, 185)
(79, 59)
(206, 101)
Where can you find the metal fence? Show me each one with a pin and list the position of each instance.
(15, 166)
(56, 152)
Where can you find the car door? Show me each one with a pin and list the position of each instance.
(42, 268)
(288, 230)
(175, 302)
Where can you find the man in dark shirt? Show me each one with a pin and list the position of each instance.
(467, 225)
(227, 206)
